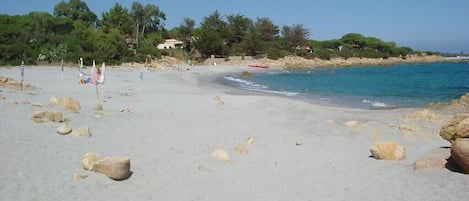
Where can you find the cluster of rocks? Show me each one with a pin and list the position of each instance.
(456, 131)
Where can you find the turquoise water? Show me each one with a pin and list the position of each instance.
(407, 85)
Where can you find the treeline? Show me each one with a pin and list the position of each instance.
(124, 35)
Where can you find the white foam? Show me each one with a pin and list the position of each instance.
(375, 103)
(244, 84)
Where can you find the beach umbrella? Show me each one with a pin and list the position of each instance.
(62, 66)
(22, 74)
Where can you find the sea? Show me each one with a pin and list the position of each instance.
(368, 87)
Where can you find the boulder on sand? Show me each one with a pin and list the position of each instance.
(387, 150)
(449, 130)
(83, 131)
(117, 168)
(220, 154)
(435, 159)
(45, 116)
(88, 159)
(70, 104)
(460, 153)
(64, 129)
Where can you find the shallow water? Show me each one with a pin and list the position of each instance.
(406, 85)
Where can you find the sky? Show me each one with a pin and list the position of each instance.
(426, 25)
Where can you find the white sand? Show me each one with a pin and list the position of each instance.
(170, 125)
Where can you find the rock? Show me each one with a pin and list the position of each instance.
(299, 143)
(460, 153)
(387, 150)
(14, 84)
(435, 159)
(64, 129)
(83, 131)
(351, 124)
(250, 140)
(79, 175)
(424, 115)
(241, 149)
(245, 74)
(98, 107)
(2, 97)
(220, 154)
(89, 159)
(37, 105)
(462, 129)
(45, 116)
(218, 100)
(448, 131)
(69, 104)
(54, 100)
(117, 168)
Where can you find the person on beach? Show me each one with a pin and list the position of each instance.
(93, 79)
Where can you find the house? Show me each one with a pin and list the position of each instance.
(170, 44)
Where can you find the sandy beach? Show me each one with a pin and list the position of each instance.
(169, 123)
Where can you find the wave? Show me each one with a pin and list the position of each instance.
(251, 86)
(376, 103)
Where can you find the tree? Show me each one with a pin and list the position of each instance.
(260, 37)
(295, 36)
(266, 28)
(208, 42)
(76, 10)
(185, 32)
(237, 26)
(354, 39)
(118, 17)
(147, 17)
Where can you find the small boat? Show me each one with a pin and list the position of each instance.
(258, 66)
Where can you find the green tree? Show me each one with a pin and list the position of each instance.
(76, 10)
(185, 32)
(147, 17)
(354, 39)
(118, 17)
(208, 42)
(261, 38)
(296, 36)
(237, 27)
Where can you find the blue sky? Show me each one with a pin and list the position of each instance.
(433, 25)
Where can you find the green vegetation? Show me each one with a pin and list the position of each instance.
(123, 35)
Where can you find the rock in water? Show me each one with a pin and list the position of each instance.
(64, 129)
(435, 159)
(89, 159)
(220, 154)
(460, 153)
(117, 168)
(387, 150)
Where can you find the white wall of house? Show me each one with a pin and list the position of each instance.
(170, 44)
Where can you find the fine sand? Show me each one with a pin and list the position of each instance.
(170, 122)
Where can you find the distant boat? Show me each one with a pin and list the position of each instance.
(258, 66)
